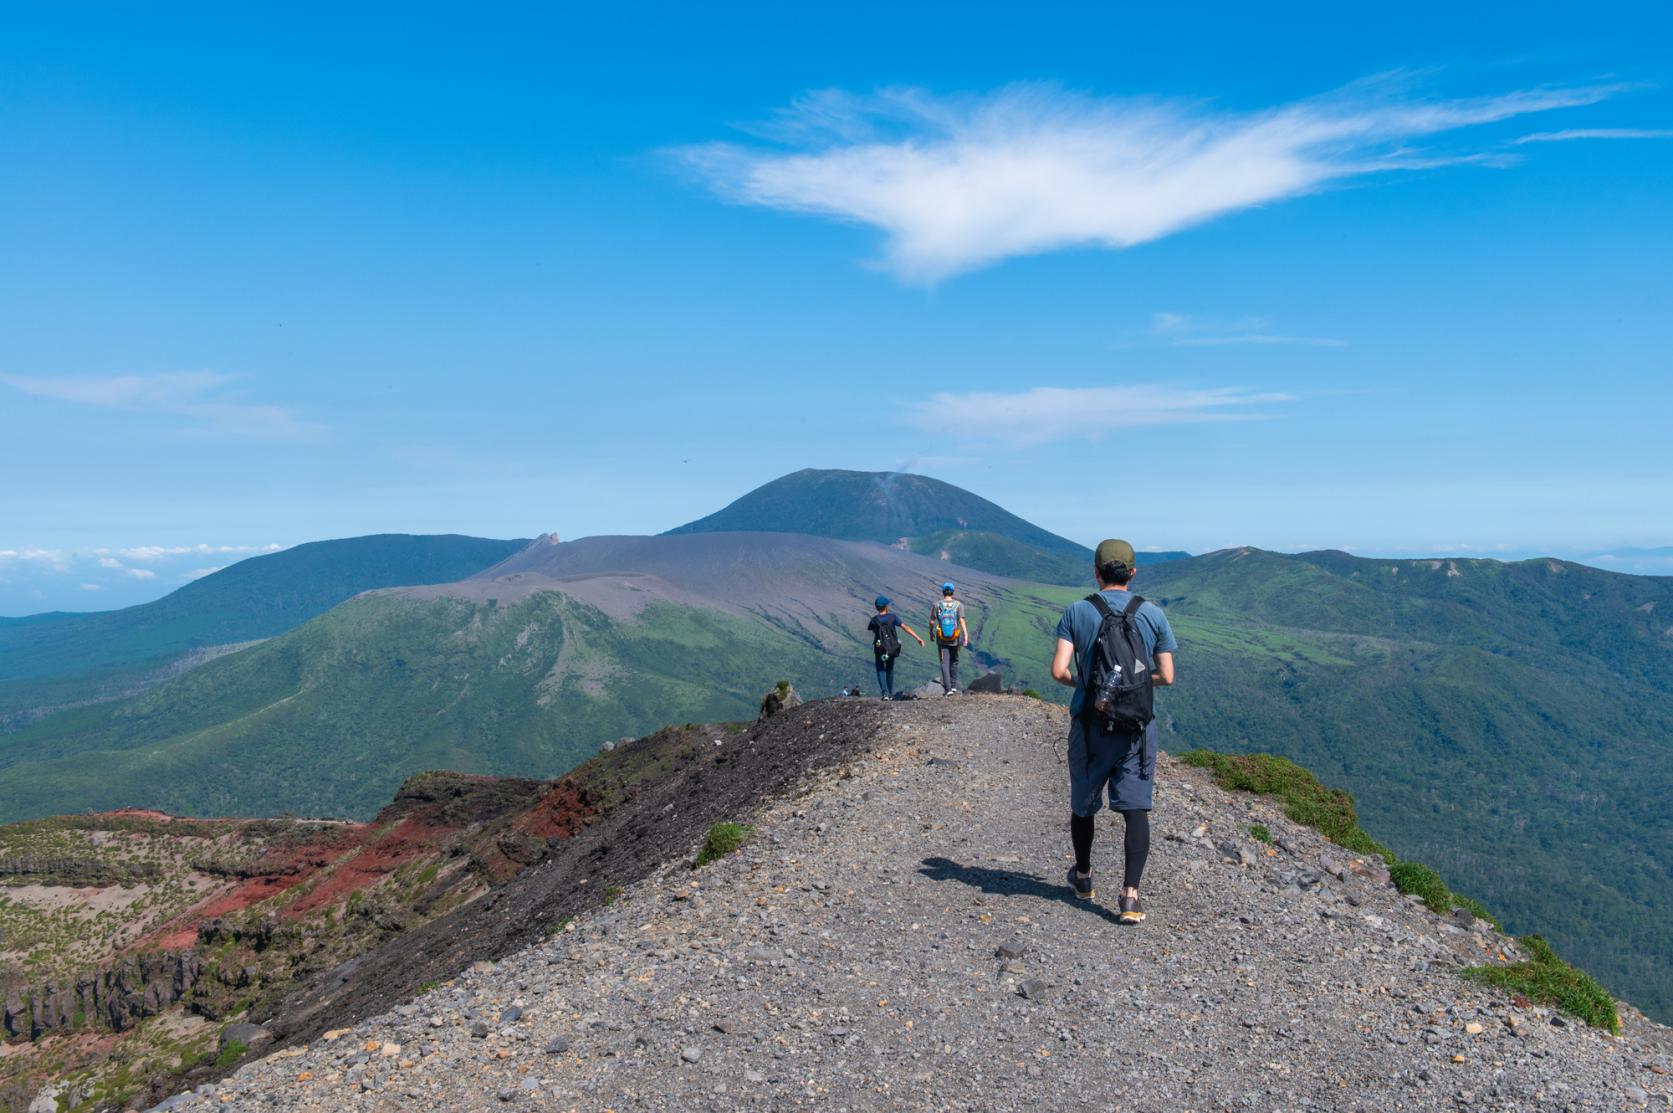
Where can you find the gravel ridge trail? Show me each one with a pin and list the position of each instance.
(900, 937)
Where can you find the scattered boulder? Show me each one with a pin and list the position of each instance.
(781, 697)
(988, 684)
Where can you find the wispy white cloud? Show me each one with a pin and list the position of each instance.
(109, 562)
(1180, 330)
(1568, 134)
(957, 183)
(91, 587)
(140, 574)
(201, 396)
(199, 573)
(1046, 414)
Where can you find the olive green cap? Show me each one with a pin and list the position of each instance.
(1114, 551)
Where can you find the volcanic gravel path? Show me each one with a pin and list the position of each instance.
(901, 938)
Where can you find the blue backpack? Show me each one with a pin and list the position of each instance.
(946, 619)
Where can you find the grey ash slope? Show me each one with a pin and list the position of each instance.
(900, 938)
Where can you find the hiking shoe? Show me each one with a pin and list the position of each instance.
(1082, 886)
(1132, 910)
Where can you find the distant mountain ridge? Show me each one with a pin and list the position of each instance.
(926, 515)
(63, 658)
(522, 669)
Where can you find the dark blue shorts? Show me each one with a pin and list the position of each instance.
(1124, 764)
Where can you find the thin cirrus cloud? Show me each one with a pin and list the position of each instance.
(200, 396)
(1569, 134)
(958, 183)
(1046, 414)
(1181, 330)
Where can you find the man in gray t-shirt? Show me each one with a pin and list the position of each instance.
(1121, 763)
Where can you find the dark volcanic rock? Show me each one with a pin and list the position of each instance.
(119, 997)
(781, 698)
(989, 684)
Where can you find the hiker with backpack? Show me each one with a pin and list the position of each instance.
(946, 622)
(1122, 648)
(885, 644)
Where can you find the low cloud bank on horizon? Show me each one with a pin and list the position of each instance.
(960, 182)
(37, 578)
(1047, 413)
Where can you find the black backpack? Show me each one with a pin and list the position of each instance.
(1118, 693)
(887, 642)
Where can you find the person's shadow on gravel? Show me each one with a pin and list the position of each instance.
(1010, 883)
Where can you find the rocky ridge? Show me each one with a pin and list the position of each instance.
(900, 937)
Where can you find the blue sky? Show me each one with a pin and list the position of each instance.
(1386, 282)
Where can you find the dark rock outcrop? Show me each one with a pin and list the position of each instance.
(116, 999)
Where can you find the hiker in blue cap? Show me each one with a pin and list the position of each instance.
(885, 644)
(946, 622)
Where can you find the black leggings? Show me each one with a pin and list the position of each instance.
(1081, 829)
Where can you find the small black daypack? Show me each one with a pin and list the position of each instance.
(1119, 696)
(887, 642)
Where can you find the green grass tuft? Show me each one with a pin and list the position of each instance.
(1261, 834)
(231, 1053)
(1032, 693)
(1330, 811)
(1549, 980)
(1418, 879)
(612, 893)
(723, 839)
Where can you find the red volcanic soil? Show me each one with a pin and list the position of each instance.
(277, 870)
(561, 813)
(413, 838)
(429, 814)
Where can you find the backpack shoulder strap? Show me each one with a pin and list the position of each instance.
(1100, 604)
(1133, 606)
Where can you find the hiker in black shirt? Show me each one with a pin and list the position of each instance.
(885, 644)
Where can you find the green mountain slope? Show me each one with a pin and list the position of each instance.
(56, 659)
(1510, 724)
(925, 515)
(525, 670)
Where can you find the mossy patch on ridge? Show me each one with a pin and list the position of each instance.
(1547, 979)
(1543, 977)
